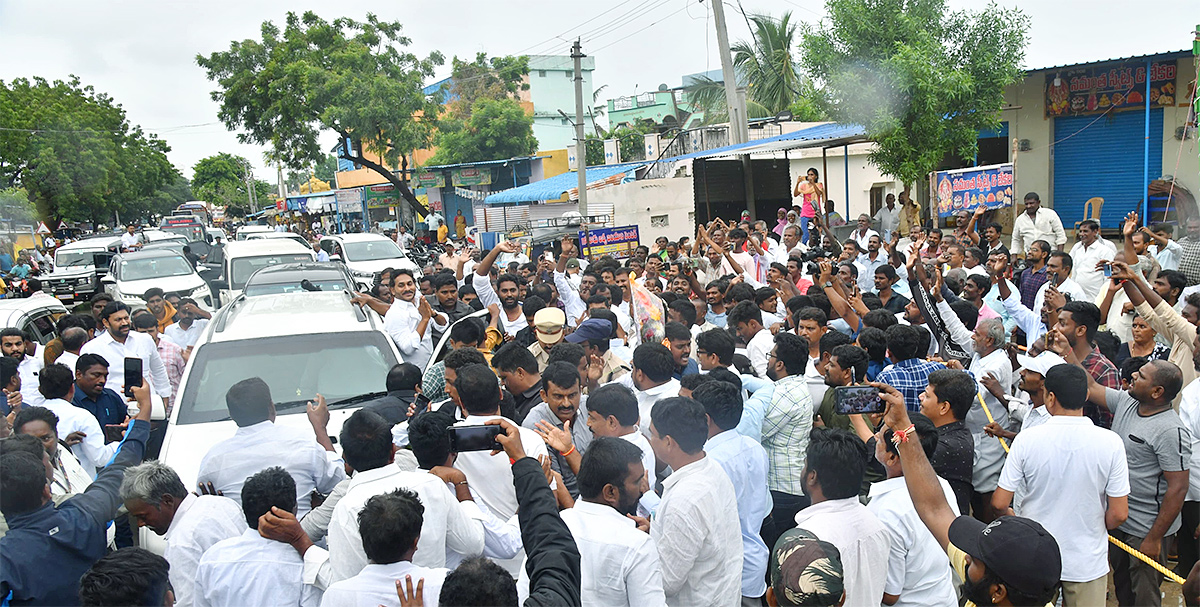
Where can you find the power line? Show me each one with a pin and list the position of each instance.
(638, 31)
(625, 19)
(569, 30)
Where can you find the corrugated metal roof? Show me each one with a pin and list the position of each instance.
(1163, 55)
(554, 187)
(821, 132)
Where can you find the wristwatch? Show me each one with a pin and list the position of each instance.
(828, 285)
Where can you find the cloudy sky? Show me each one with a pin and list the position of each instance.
(142, 52)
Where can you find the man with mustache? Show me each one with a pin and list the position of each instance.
(119, 342)
(557, 419)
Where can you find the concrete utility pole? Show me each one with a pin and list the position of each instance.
(580, 140)
(735, 99)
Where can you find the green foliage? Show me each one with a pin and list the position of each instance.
(74, 152)
(768, 65)
(162, 201)
(485, 78)
(346, 76)
(921, 79)
(496, 129)
(326, 169)
(16, 207)
(221, 180)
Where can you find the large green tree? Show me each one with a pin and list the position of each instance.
(922, 79)
(352, 78)
(163, 200)
(484, 78)
(496, 129)
(768, 64)
(74, 152)
(221, 179)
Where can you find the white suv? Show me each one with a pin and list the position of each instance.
(132, 274)
(366, 255)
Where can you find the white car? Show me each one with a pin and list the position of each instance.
(34, 315)
(301, 344)
(278, 235)
(366, 255)
(132, 274)
(245, 257)
(74, 277)
(246, 231)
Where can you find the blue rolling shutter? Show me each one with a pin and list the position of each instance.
(1103, 157)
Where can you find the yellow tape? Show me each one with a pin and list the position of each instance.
(991, 419)
(1170, 575)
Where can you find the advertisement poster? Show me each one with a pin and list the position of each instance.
(381, 196)
(1113, 86)
(471, 176)
(429, 179)
(611, 242)
(967, 189)
(349, 200)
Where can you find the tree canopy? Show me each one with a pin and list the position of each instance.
(922, 80)
(496, 129)
(353, 78)
(220, 179)
(74, 152)
(484, 78)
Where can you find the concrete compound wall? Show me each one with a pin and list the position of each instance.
(641, 202)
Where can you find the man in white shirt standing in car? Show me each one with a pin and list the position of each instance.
(408, 318)
(1074, 479)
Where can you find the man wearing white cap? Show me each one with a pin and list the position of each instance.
(1030, 411)
(548, 327)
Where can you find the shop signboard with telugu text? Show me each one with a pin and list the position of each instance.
(380, 196)
(429, 179)
(968, 189)
(1097, 89)
(609, 242)
(471, 176)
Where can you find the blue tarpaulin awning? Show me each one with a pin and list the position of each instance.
(554, 187)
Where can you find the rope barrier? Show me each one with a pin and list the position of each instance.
(1170, 575)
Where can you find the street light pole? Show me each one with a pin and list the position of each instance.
(580, 141)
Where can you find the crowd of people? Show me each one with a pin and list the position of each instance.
(667, 430)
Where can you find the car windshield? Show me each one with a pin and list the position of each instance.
(243, 267)
(191, 233)
(339, 366)
(154, 267)
(70, 259)
(272, 288)
(371, 250)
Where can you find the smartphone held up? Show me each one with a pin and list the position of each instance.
(849, 400)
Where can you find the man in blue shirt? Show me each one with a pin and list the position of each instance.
(680, 339)
(47, 547)
(91, 372)
(909, 374)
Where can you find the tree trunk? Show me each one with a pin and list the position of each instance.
(401, 186)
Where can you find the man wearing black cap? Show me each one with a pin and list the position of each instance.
(594, 335)
(1012, 560)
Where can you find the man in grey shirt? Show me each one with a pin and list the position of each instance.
(1158, 448)
(561, 421)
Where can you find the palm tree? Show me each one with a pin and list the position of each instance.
(768, 65)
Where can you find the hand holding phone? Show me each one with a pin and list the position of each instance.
(133, 375)
(849, 400)
(474, 438)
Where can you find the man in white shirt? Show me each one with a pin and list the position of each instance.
(119, 342)
(408, 318)
(190, 323)
(57, 385)
(250, 569)
(390, 526)
(1090, 250)
(618, 561)
(696, 527)
(260, 443)
(888, 216)
(870, 261)
(918, 572)
(129, 240)
(1059, 267)
(73, 339)
(747, 319)
(1036, 223)
(490, 475)
(862, 236)
(1074, 479)
(403, 239)
(1189, 414)
(512, 318)
(652, 379)
(832, 477)
(613, 412)
(366, 440)
(12, 343)
(190, 524)
(745, 462)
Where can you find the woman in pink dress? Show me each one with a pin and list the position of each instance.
(813, 195)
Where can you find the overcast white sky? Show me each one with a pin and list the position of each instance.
(142, 52)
